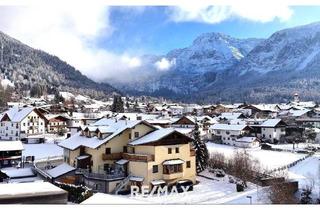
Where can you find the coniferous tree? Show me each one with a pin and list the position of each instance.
(117, 105)
(202, 154)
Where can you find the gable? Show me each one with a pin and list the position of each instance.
(184, 121)
(172, 139)
(5, 118)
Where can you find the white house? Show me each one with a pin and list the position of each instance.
(229, 133)
(21, 123)
(272, 130)
(247, 142)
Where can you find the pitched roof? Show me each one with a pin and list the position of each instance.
(270, 123)
(230, 127)
(10, 145)
(16, 114)
(60, 170)
(77, 140)
(153, 136)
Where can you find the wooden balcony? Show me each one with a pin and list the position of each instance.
(173, 176)
(192, 152)
(138, 157)
(112, 156)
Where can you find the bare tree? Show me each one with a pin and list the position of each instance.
(282, 193)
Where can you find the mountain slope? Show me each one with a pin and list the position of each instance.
(191, 68)
(287, 62)
(27, 67)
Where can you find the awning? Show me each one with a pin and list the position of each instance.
(173, 162)
(136, 178)
(122, 162)
(82, 157)
(157, 182)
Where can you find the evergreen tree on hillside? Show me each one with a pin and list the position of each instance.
(117, 105)
(202, 154)
(58, 98)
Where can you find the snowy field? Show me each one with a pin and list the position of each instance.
(42, 150)
(207, 191)
(268, 159)
(306, 172)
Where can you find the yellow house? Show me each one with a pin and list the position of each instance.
(111, 155)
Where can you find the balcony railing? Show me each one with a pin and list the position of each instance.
(87, 174)
(112, 156)
(128, 156)
(138, 157)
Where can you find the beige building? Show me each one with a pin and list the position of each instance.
(111, 155)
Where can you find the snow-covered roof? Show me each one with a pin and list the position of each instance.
(60, 170)
(77, 140)
(230, 127)
(81, 157)
(153, 136)
(173, 162)
(157, 182)
(230, 115)
(18, 172)
(184, 130)
(31, 188)
(17, 114)
(122, 161)
(11, 145)
(136, 178)
(270, 123)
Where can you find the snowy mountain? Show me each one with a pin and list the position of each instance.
(217, 67)
(285, 63)
(183, 71)
(294, 49)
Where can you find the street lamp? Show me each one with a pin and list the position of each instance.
(250, 197)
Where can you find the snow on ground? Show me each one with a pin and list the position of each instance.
(207, 191)
(290, 146)
(42, 150)
(268, 159)
(306, 172)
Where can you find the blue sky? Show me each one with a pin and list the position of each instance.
(149, 30)
(107, 42)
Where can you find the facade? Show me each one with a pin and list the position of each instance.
(21, 123)
(56, 123)
(112, 155)
(271, 130)
(10, 153)
(228, 133)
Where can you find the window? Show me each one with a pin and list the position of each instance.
(136, 134)
(170, 169)
(129, 135)
(169, 150)
(108, 150)
(227, 132)
(218, 132)
(24, 124)
(106, 167)
(188, 164)
(155, 169)
(125, 150)
(177, 149)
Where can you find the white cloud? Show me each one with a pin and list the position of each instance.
(70, 32)
(261, 12)
(164, 64)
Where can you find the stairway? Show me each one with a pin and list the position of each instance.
(121, 185)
